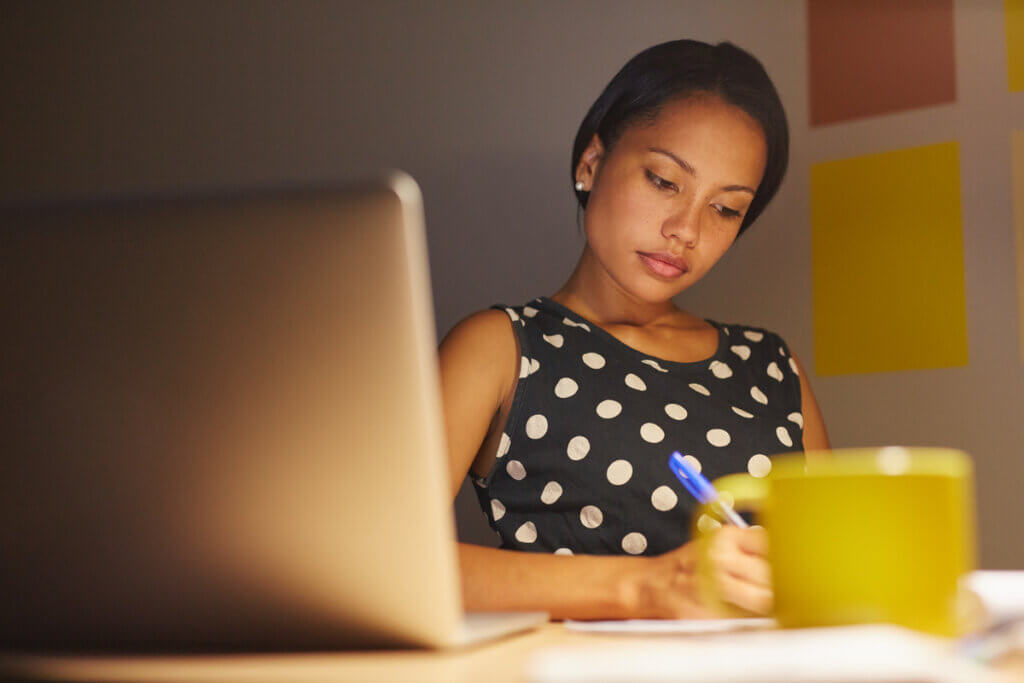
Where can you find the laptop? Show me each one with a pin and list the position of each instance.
(221, 427)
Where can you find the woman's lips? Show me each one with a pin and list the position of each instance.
(657, 264)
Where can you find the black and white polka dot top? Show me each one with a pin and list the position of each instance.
(582, 464)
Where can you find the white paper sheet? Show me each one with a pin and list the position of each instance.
(1001, 591)
(833, 655)
(641, 626)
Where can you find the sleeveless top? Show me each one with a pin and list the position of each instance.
(582, 463)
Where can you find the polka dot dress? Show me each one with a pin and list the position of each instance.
(582, 463)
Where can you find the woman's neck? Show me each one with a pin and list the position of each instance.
(592, 293)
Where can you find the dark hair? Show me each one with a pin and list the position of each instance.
(681, 68)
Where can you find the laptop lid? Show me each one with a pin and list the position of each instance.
(221, 424)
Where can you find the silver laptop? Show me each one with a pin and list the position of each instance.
(221, 427)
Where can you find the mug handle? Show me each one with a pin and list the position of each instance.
(748, 494)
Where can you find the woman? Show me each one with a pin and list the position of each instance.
(564, 410)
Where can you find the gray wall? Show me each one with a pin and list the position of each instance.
(480, 102)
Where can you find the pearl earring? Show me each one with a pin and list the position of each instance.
(579, 185)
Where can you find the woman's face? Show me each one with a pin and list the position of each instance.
(667, 201)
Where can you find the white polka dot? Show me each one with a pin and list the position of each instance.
(527, 533)
(512, 314)
(693, 462)
(893, 460)
(774, 372)
(566, 387)
(758, 395)
(563, 551)
(552, 492)
(634, 382)
(578, 448)
(675, 411)
(782, 351)
(793, 366)
(664, 498)
(707, 524)
(719, 437)
(725, 329)
(593, 360)
(720, 369)
(784, 437)
(797, 418)
(555, 340)
(634, 543)
(654, 364)
(700, 389)
(609, 408)
(516, 470)
(753, 336)
(584, 326)
(504, 445)
(591, 516)
(497, 509)
(759, 465)
(741, 350)
(529, 311)
(536, 426)
(742, 413)
(534, 365)
(619, 472)
(651, 433)
(570, 323)
(524, 367)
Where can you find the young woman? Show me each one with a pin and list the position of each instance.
(564, 410)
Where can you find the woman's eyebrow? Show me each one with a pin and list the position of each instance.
(689, 169)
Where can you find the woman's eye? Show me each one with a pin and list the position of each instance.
(726, 211)
(660, 182)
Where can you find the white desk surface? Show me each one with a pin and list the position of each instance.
(502, 661)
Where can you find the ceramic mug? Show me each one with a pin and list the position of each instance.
(862, 535)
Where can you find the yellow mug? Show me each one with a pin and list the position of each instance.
(861, 536)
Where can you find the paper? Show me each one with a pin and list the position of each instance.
(887, 262)
(1001, 591)
(842, 654)
(874, 58)
(640, 626)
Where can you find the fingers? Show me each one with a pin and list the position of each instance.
(753, 540)
(740, 568)
(744, 594)
(747, 568)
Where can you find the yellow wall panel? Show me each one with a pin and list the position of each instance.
(1015, 44)
(887, 262)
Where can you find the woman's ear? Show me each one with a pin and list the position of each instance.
(590, 160)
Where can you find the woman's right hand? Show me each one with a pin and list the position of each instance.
(735, 562)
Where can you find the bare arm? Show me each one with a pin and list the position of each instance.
(479, 365)
(815, 435)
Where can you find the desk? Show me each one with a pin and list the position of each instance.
(501, 661)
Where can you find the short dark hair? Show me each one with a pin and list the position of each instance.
(683, 68)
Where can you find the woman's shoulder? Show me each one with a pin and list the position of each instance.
(762, 346)
(484, 329)
(737, 332)
(481, 350)
(757, 339)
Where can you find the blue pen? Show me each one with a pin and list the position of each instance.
(700, 488)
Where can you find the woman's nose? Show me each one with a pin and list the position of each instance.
(684, 225)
